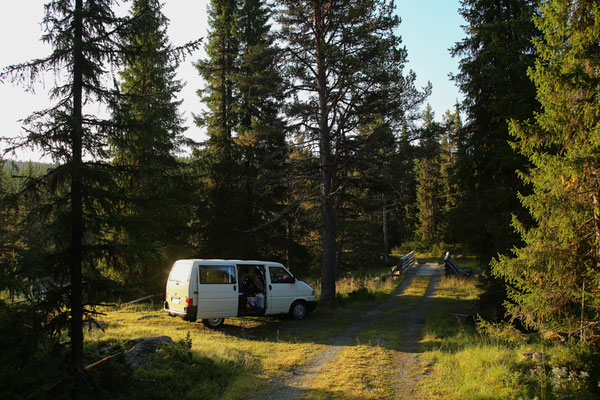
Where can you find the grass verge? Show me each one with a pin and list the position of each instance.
(465, 360)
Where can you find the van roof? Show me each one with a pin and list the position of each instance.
(221, 261)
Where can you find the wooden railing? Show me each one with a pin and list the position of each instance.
(406, 262)
(451, 267)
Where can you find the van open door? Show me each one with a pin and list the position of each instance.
(217, 291)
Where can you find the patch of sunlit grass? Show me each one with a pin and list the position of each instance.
(462, 361)
(264, 358)
(357, 372)
(361, 287)
(265, 347)
(418, 286)
(475, 372)
(458, 288)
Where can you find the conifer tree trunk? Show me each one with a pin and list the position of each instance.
(327, 172)
(77, 208)
(386, 236)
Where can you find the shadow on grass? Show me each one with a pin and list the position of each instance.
(395, 324)
(174, 372)
(448, 324)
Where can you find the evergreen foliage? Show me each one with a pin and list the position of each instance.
(148, 136)
(242, 164)
(554, 278)
(346, 66)
(495, 56)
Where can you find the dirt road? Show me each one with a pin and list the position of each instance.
(403, 313)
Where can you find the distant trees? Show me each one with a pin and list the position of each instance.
(554, 277)
(430, 200)
(494, 58)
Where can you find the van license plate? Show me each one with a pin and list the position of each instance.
(176, 301)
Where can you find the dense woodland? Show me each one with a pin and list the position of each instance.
(320, 153)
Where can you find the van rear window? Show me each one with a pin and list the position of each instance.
(217, 274)
(180, 272)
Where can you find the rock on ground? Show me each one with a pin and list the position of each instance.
(142, 347)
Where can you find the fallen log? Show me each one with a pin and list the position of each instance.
(152, 296)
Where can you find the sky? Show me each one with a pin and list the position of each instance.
(428, 29)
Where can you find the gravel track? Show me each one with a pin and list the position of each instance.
(296, 384)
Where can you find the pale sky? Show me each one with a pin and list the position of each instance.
(428, 29)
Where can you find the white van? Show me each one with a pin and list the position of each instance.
(212, 290)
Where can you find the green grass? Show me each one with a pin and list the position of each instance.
(459, 359)
(230, 363)
(462, 360)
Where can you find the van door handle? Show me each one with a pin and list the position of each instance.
(270, 287)
(234, 288)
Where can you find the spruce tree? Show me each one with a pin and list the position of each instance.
(554, 279)
(494, 58)
(261, 131)
(73, 200)
(241, 163)
(217, 214)
(149, 135)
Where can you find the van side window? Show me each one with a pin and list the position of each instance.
(279, 275)
(217, 274)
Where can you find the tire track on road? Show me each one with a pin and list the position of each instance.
(296, 384)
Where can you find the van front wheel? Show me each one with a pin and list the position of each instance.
(298, 310)
(213, 323)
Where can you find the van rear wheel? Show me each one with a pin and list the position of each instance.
(298, 310)
(213, 323)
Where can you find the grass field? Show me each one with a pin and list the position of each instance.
(230, 363)
(458, 359)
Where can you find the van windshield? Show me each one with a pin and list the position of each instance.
(180, 272)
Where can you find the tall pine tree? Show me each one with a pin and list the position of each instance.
(75, 200)
(84, 43)
(346, 66)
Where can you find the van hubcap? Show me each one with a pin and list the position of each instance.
(215, 321)
(299, 311)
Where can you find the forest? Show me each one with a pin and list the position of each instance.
(320, 153)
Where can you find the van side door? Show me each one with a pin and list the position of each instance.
(281, 290)
(217, 291)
